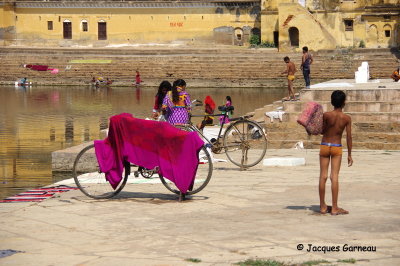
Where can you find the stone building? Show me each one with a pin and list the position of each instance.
(329, 24)
(289, 24)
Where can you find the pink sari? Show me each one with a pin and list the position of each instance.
(149, 144)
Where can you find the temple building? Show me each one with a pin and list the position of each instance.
(287, 24)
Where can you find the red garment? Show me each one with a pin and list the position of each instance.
(211, 105)
(149, 144)
(138, 79)
(156, 106)
(38, 67)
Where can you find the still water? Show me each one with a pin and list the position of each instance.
(38, 120)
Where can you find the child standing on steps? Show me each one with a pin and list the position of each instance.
(290, 71)
(334, 123)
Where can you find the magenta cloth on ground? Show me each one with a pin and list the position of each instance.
(38, 67)
(149, 144)
(312, 118)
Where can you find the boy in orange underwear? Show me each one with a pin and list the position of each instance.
(335, 122)
(290, 70)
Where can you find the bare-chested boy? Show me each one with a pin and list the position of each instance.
(335, 122)
(290, 70)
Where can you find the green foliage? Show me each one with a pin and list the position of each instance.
(362, 44)
(268, 45)
(259, 262)
(352, 261)
(254, 40)
(193, 260)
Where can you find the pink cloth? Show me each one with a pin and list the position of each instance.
(54, 70)
(149, 144)
(312, 118)
(37, 67)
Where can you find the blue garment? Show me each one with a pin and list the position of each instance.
(331, 144)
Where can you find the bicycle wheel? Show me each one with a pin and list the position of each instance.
(203, 174)
(90, 180)
(245, 143)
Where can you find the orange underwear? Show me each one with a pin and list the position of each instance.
(291, 77)
(329, 151)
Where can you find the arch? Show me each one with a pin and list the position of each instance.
(372, 36)
(102, 30)
(67, 29)
(84, 25)
(256, 31)
(294, 36)
(387, 31)
(238, 34)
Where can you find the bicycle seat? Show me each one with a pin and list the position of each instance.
(226, 109)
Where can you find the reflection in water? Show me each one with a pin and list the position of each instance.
(38, 120)
(138, 92)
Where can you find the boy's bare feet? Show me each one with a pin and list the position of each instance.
(339, 211)
(325, 209)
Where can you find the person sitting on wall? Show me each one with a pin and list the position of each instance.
(396, 75)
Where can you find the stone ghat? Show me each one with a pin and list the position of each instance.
(374, 108)
(201, 66)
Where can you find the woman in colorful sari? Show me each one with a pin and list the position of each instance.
(177, 103)
(164, 87)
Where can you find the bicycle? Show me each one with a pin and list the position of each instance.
(92, 182)
(244, 141)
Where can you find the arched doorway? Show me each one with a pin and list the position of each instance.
(387, 35)
(102, 30)
(256, 32)
(372, 37)
(294, 36)
(238, 35)
(67, 29)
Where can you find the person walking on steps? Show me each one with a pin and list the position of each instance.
(306, 62)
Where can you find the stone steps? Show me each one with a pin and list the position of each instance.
(365, 127)
(287, 144)
(357, 136)
(355, 116)
(371, 95)
(201, 63)
(351, 106)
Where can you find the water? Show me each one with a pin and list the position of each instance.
(38, 120)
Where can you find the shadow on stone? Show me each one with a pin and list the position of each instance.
(154, 198)
(314, 208)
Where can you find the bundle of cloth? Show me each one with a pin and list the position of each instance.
(149, 144)
(42, 68)
(312, 118)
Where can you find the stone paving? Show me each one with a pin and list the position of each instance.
(264, 212)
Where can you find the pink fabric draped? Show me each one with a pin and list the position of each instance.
(38, 67)
(149, 144)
